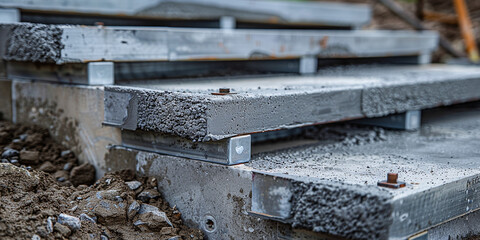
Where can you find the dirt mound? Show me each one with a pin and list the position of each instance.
(37, 204)
(33, 148)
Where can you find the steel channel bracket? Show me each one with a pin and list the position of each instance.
(409, 120)
(308, 65)
(271, 197)
(230, 151)
(92, 73)
(228, 22)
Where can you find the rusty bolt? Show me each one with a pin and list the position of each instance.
(392, 177)
(224, 90)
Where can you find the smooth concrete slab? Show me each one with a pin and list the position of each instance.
(72, 114)
(188, 109)
(62, 44)
(256, 11)
(332, 186)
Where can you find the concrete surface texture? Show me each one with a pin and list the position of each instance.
(188, 109)
(321, 13)
(66, 44)
(438, 163)
(73, 115)
(336, 169)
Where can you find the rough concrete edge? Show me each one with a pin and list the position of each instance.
(32, 42)
(344, 210)
(181, 114)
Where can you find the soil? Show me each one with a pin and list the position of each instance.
(46, 194)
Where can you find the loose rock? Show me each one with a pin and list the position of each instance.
(70, 221)
(134, 185)
(83, 174)
(29, 157)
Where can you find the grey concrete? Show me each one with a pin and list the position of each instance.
(439, 164)
(337, 169)
(73, 44)
(186, 107)
(72, 114)
(257, 11)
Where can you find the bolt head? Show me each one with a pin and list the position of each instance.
(392, 177)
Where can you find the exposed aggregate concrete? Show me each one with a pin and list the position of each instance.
(341, 209)
(33, 42)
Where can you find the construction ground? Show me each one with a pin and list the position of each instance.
(246, 119)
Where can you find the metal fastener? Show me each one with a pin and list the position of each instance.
(392, 181)
(223, 91)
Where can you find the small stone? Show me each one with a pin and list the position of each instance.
(4, 160)
(103, 237)
(108, 194)
(42, 231)
(47, 167)
(109, 212)
(83, 174)
(35, 237)
(134, 185)
(8, 153)
(152, 217)
(23, 137)
(61, 174)
(85, 217)
(67, 166)
(49, 227)
(62, 229)
(175, 238)
(146, 195)
(71, 221)
(16, 141)
(133, 209)
(65, 153)
(29, 157)
(61, 179)
(14, 162)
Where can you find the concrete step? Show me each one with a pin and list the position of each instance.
(192, 13)
(331, 187)
(329, 191)
(191, 109)
(81, 54)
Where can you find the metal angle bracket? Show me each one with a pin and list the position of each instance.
(230, 151)
(409, 120)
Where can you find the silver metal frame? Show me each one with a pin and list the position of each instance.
(230, 151)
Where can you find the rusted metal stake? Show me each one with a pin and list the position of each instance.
(466, 29)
